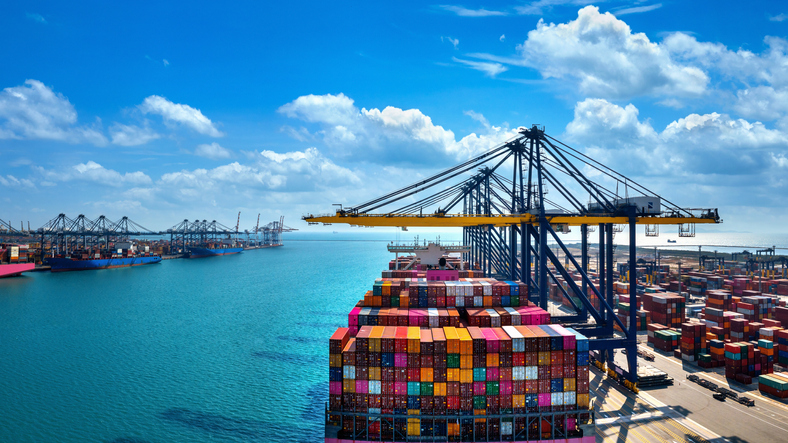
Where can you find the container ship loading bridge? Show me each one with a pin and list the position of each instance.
(498, 214)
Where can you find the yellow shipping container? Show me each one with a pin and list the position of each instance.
(582, 400)
(466, 361)
(569, 384)
(453, 374)
(492, 360)
(466, 375)
(452, 340)
(349, 386)
(453, 428)
(544, 358)
(414, 340)
(518, 400)
(335, 360)
(466, 343)
(374, 372)
(439, 389)
(375, 338)
(426, 375)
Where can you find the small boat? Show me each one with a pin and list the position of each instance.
(671, 241)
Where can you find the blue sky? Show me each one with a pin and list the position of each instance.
(196, 110)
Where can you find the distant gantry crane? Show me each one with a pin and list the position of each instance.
(499, 200)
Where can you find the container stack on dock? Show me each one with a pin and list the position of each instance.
(666, 308)
(693, 341)
(781, 346)
(774, 384)
(663, 338)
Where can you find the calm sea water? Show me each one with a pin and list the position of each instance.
(212, 350)
(221, 349)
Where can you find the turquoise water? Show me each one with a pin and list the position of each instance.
(221, 349)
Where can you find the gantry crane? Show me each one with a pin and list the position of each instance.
(499, 199)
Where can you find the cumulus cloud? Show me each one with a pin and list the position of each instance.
(607, 59)
(94, 173)
(387, 136)
(131, 135)
(490, 69)
(465, 12)
(288, 172)
(763, 78)
(212, 151)
(695, 145)
(33, 111)
(181, 114)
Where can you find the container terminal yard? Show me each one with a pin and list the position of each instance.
(83, 243)
(499, 338)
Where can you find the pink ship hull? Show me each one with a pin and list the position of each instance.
(15, 269)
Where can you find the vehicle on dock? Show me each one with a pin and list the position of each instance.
(719, 396)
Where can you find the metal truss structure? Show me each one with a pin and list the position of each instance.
(62, 234)
(188, 233)
(513, 199)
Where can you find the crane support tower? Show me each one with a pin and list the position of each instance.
(500, 199)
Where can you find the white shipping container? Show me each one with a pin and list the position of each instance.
(374, 387)
(518, 373)
(349, 372)
(506, 428)
(531, 373)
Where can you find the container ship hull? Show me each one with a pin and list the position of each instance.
(68, 264)
(14, 269)
(210, 252)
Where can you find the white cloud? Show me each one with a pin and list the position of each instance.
(387, 136)
(165, 62)
(305, 171)
(37, 18)
(35, 112)
(94, 173)
(130, 135)
(778, 17)
(690, 147)
(502, 37)
(454, 41)
(540, 7)
(490, 69)
(212, 151)
(465, 12)
(638, 9)
(12, 182)
(329, 109)
(180, 113)
(607, 60)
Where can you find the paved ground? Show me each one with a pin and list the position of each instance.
(685, 411)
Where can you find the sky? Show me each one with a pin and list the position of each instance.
(169, 111)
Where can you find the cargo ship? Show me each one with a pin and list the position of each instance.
(197, 252)
(124, 255)
(438, 353)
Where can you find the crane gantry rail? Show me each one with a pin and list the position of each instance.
(519, 194)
